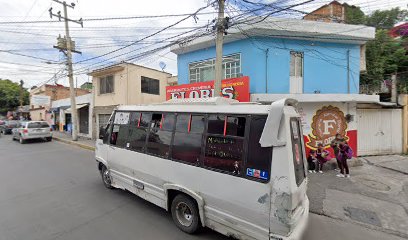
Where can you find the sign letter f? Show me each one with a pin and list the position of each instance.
(327, 125)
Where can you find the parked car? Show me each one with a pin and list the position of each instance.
(32, 130)
(8, 125)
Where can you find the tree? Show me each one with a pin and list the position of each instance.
(10, 95)
(386, 19)
(354, 15)
(384, 56)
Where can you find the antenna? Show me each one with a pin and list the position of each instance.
(162, 65)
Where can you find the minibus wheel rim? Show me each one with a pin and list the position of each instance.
(106, 177)
(183, 214)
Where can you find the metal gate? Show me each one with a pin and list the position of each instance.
(379, 131)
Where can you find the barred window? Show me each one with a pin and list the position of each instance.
(205, 70)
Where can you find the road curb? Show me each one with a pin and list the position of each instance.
(78, 144)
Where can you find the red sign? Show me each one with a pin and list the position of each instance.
(235, 88)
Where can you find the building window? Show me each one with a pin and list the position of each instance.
(106, 84)
(103, 120)
(150, 86)
(296, 64)
(205, 70)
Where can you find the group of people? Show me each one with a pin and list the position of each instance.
(342, 151)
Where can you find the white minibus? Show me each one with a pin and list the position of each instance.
(237, 168)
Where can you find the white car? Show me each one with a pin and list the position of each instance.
(32, 130)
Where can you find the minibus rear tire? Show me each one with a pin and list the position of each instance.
(106, 179)
(185, 214)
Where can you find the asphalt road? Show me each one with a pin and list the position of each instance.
(50, 190)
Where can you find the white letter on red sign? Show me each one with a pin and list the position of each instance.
(228, 92)
(174, 95)
(194, 94)
(205, 93)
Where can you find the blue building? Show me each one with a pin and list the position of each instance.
(283, 56)
(317, 63)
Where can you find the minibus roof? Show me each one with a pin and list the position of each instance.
(202, 105)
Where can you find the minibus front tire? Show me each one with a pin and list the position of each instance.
(106, 179)
(185, 213)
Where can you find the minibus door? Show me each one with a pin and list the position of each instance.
(102, 144)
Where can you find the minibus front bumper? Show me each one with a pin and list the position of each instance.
(298, 231)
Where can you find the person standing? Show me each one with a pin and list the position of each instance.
(335, 145)
(345, 153)
(312, 161)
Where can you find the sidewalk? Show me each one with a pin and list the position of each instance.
(67, 138)
(376, 195)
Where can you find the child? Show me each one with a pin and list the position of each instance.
(345, 152)
(322, 156)
(312, 161)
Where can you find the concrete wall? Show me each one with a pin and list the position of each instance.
(84, 99)
(333, 12)
(127, 87)
(55, 92)
(267, 63)
(403, 100)
(322, 120)
(37, 114)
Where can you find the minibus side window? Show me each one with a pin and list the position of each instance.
(159, 139)
(236, 126)
(216, 124)
(297, 149)
(120, 131)
(224, 146)
(138, 130)
(187, 138)
(258, 158)
(108, 130)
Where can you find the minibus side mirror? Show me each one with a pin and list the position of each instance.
(102, 132)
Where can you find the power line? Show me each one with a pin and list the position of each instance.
(113, 18)
(151, 35)
(29, 56)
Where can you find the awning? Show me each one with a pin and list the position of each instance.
(78, 106)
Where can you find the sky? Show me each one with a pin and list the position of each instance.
(27, 53)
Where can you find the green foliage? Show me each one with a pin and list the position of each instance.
(354, 15)
(386, 19)
(380, 19)
(384, 55)
(10, 95)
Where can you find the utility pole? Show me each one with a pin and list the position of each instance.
(348, 71)
(21, 93)
(74, 112)
(218, 48)
(394, 94)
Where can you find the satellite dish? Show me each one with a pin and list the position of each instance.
(162, 65)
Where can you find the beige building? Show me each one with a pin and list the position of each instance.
(126, 83)
(52, 92)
